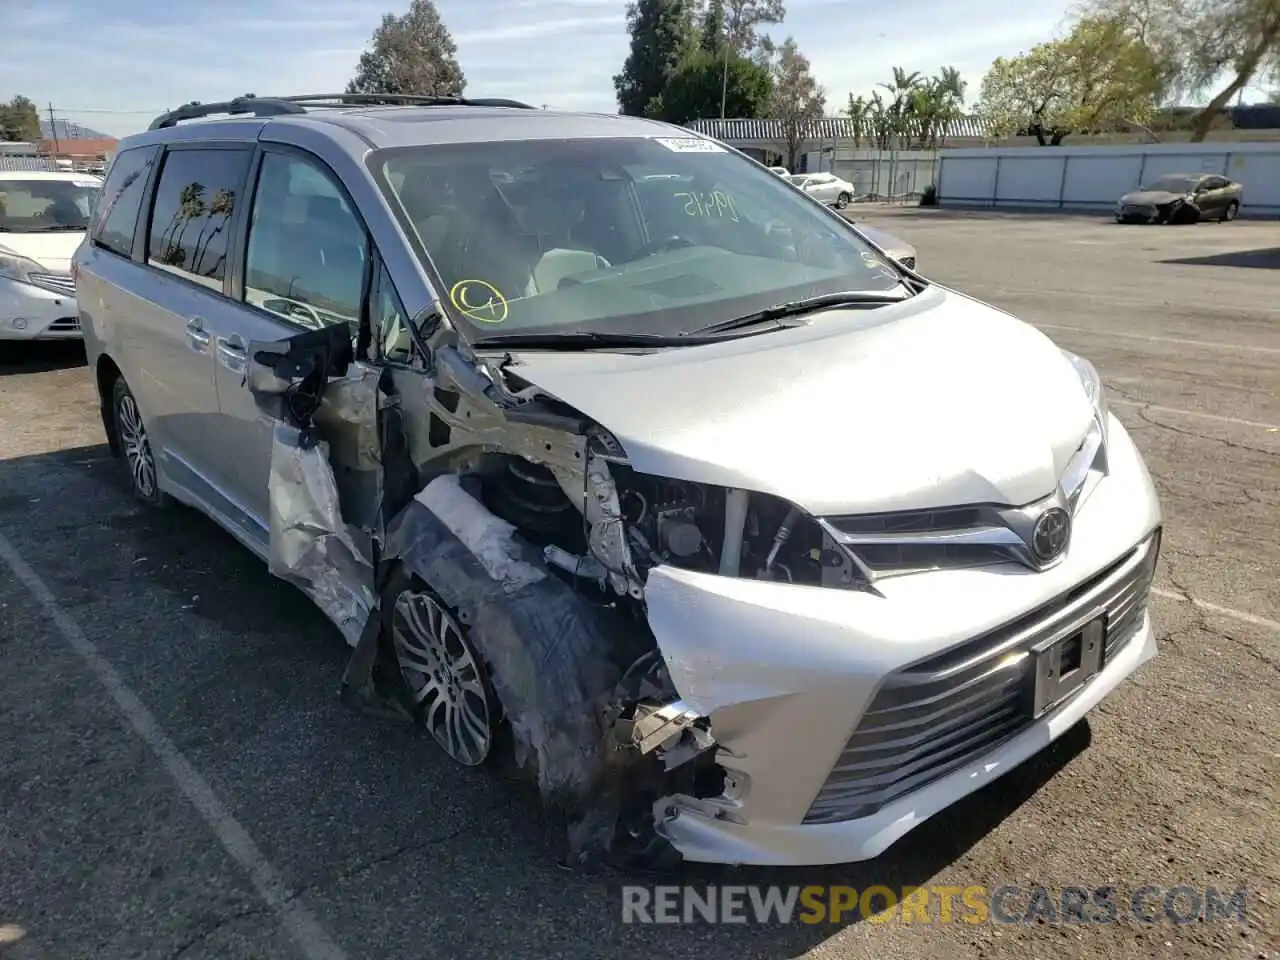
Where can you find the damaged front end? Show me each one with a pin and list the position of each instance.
(525, 520)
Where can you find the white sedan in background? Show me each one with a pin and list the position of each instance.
(43, 217)
(826, 187)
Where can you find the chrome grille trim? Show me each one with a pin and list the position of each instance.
(934, 716)
(879, 545)
(53, 282)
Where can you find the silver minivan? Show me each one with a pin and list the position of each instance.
(609, 451)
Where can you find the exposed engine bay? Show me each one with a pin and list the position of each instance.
(545, 561)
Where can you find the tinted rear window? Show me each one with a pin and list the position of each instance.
(117, 211)
(191, 217)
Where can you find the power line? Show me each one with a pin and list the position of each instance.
(152, 112)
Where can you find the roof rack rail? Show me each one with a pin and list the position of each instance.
(251, 105)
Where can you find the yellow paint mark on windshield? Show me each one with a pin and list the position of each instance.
(479, 300)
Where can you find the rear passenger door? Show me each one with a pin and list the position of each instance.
(179, 294)
(304, 266)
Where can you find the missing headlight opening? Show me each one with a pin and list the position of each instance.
(523, 529)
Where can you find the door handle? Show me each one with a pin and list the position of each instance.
(233, 353)
(196, 333)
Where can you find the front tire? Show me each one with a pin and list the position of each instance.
(135, 445)
(445, 680)
(843, 201)
(1229, 214)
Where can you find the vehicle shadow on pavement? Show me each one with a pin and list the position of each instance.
(242, 672)
(1267, 258)
(40, 356)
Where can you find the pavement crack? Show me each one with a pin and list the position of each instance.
(361, 866)
(210, 930)
(1199, 616)
(1144, 413)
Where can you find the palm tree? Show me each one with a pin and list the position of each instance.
(902, 87)
(222, 206)
(859, 111)
(190, 207)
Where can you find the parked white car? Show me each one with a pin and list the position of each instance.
(780, 171)
(826, 187)
(43, 216)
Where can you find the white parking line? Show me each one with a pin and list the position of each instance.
(311, 939)
(1256, 620)
(1115, 401)
(1210, 344)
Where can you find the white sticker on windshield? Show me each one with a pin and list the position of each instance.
(689, 145)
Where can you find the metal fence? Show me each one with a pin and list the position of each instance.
(13, 162)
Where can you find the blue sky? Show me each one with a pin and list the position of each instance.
(113, 64)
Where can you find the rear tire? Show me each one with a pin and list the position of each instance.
(1229, 214)
(135, 446)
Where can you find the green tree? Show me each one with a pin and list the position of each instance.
(1204, 47)
(798, 101)
(1097, 78)
(19, 120)
(413, 54)
(694, 89)
(661, 31)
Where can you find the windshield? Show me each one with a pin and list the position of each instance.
(46, 206)
(1173, 184)
(618, 236)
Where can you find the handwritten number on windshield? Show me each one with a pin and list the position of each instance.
(715, 204)
(479, 301)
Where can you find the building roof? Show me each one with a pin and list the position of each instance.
(828, 128)
(79, 147)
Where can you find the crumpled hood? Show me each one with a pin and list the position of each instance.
(939, 400)
(1152, 197)
(53, 251)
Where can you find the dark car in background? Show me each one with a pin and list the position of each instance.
(1181, 198)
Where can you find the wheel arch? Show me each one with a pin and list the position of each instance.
(106, 374)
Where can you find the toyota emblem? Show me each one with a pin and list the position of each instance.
(1051, 533)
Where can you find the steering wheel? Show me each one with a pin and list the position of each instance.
(673, 242)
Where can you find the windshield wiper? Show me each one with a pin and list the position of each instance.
(58, 228)
(799, 308)
(575, 340)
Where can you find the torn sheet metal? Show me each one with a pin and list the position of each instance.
(552, 654)
(311, 545)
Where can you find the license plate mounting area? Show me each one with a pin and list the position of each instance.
(1065, 661)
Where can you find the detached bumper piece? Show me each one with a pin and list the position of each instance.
(940, 714)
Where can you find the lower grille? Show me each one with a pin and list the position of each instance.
(64, 325)
(935, 716)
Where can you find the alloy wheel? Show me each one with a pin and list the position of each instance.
(136, 447)
(444, 676)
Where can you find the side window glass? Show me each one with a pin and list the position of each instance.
(389, 319)
(307, 250)
(191, 217)
(116, 214)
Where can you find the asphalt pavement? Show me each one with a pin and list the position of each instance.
(179, 780)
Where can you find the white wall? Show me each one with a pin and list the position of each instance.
(1095, 177)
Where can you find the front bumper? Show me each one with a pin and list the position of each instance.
(33, 313)
(795, 680)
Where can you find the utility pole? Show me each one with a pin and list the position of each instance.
(53, 128)
(724, 80)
